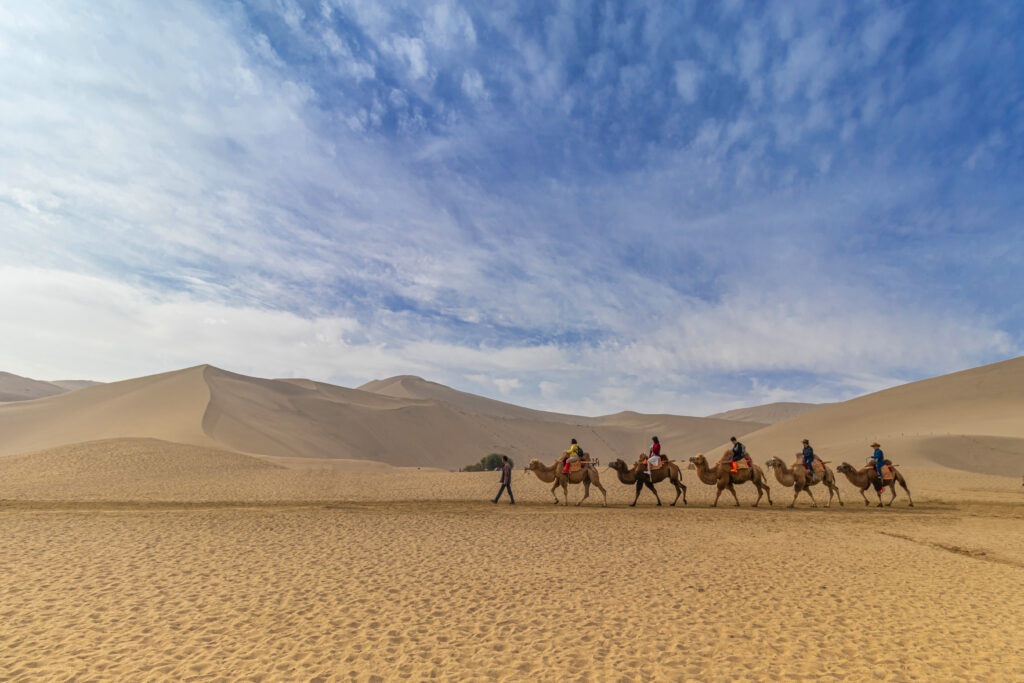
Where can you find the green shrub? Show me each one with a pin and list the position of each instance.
(489, 462)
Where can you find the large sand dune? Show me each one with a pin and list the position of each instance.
(770, 413)
(16, 388)
(206, 406)
(971, 420)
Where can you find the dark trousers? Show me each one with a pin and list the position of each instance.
(505, 487)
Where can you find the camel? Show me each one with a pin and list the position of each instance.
(586, 476)
(721, 477)
(638, 475)
(867, 476)
(797, 477)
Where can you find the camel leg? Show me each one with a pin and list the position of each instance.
(814, 503)
(555, 486)
(639, 488)
(654, 491)
(603, 493)
(586, 492)
(904, 485)
(679, 492)
(733, 492)
(796, 492)
(768, 492)
(893, 487)
(565, 493)
(862, 495)
(719, 493)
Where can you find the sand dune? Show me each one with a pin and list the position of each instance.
(968, 420)
(17, 388)
(206, 406)
(770, 413)
(168, 406)
(412, 387)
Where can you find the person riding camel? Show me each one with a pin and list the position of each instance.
(654, 455)
(879, 457)
(574, 454)
(739, 451)
(808, 454)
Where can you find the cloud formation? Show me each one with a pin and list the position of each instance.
(653, 206)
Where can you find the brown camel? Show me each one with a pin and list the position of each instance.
(720, 476)
(867, 476)
(586, 476)
(638, 475)
(799, 478)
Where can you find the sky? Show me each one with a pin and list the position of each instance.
(678, 207)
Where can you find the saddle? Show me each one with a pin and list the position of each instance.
(817, 465)
(888, 472)
(646, 465)
(744, 463)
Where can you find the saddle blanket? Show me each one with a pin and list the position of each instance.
(646, 465)
(817, 466)
(888, 473)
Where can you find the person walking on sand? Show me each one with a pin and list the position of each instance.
(506, 481)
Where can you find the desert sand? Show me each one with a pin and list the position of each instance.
(148, 559)
(152, 529)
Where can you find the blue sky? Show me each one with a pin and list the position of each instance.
(667, 207)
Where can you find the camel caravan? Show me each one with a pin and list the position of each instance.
(575, 466)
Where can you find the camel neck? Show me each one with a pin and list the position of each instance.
(705, 473)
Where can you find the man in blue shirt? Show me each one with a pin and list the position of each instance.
(879, 459)
(809, 458)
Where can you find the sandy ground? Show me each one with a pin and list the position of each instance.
(412, 574)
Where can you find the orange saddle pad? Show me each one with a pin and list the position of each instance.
(576, 466)
(888, 473)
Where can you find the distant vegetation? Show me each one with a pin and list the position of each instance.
(489, 462)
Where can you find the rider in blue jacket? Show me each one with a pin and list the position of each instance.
(879, 459)
(808, 457)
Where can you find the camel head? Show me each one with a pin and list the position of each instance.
(844, 468)
(699, 460)
(773, 462)
(533, 466)
(619, 465)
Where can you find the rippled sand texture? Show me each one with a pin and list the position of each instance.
(465, 589)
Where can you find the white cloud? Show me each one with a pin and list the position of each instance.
(208, 188)
(473, 85)
(60, 324)
(688, 76)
